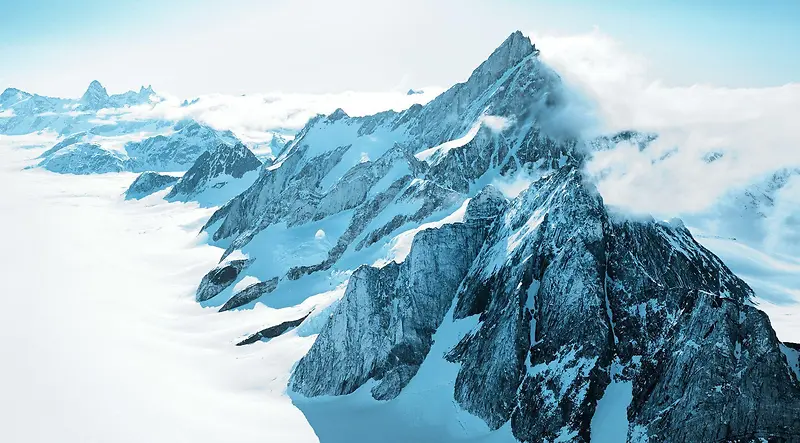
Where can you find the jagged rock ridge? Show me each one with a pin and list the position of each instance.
(704, 363)
(373, 165)
(147, 183)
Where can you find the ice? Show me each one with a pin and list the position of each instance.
(107, 341)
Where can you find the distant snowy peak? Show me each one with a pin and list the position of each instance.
(86, 158)
(96, 97)
(174, 151)
(147, 183)
(67, 141)
(12, 96)
(177, 151)
(214, 169)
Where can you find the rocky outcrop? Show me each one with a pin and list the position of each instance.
(147, 183)
(273, 331)
(28, 113)
(383, 326)
(704, 364)
(250, 294)
(220, 278)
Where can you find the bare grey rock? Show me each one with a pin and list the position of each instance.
(704, 363)
(273, 331)
(250, 294)
(147, 183)
(219, 278)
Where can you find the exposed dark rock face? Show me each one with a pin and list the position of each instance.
(250, 294)
(147, 183)
(705, 365)
(382, 328)
(220, 278)
(792, 353)
(273, 331)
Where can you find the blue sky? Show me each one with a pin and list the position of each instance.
(238, 46)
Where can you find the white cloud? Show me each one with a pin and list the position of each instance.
(496, 123)
(755, 129)
(251, 116)
(8, 113)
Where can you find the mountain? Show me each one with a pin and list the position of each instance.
(221, 172)
(659, 314)
(147, 183)
(96, 98)
(77, 137)
(338, 163)
(277, 143)
(26, 113)
(86, 158)
(176, 150)
(534, 311)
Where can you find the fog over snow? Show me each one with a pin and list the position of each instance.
(103, 338)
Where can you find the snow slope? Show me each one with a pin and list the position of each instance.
(107, 341)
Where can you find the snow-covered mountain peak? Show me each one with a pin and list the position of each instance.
(214, 170)
(95, 96)
(338, 114)
(12, 96)
(512, 51)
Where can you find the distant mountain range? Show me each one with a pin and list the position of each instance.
(33, 112)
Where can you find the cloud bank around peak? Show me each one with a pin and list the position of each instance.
(747, 133)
